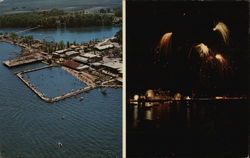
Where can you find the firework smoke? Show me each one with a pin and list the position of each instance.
(223, 30)
(202, 49)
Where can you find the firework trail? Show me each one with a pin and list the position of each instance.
(223, 30)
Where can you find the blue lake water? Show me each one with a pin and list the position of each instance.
(54, 81)
(28, 67)
(32, 128)
(77, 35)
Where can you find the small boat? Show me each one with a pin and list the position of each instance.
(59, 144)
(81, 98)
(104, 91)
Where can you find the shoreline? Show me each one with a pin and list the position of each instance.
(27, 51)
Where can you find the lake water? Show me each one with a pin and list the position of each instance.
(54, 81)
(188, 129)
(30, 127)
(77, 35)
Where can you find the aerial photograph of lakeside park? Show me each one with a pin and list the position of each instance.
(61, 79)
(187, 79)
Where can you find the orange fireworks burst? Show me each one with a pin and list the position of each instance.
(165, 43)
(223, 30)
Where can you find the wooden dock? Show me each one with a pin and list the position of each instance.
(24, 60)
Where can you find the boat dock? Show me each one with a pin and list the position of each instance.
(24, 60)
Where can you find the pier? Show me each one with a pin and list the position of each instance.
(35, 69)
(24, 60)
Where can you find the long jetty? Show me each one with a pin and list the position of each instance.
(35, 69)
(24, 60)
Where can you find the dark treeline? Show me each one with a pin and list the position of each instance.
(55, 18)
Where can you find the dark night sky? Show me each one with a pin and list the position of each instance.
(148, 21)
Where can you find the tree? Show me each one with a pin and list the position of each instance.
(118, 36)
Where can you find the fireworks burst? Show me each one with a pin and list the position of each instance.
(220, 58)
(222, 61)
(202, 49)
(165, 43)
(223, 30)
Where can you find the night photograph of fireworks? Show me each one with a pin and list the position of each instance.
(187, 78)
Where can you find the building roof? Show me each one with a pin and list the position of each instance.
(104, 47)
(82, 67)
(61, 51)
(89, 55)
(119, 79)
(71, 64)
(120, 70)
(81, 59)
(69, 53)
(113, 65)
(96, 64)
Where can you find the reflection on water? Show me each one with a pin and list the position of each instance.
(200, 128)
(149, 114)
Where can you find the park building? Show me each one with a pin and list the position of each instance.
(81, 59)
(75, 65)
(113, 68)
(70, 54)
(92, 57)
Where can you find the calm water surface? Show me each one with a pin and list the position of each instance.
(77, 35)
(182, 129)
(54, 81)
(31, 128)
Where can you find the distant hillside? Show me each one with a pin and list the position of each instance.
(16, 6)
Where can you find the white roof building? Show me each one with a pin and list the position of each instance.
(80, 59)
(71, 53)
